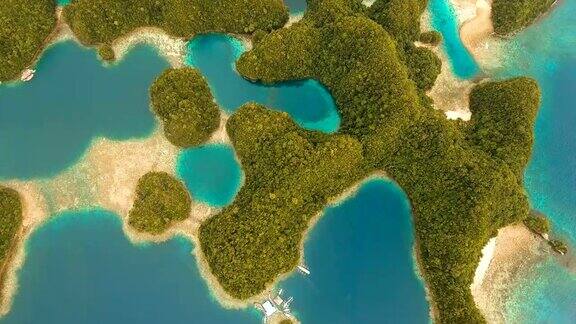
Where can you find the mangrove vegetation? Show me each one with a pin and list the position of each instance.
(161, 200)
(181, 98)
(24, 28)
(10, 224)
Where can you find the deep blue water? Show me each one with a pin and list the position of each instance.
(211, 173)
(81, 269)
(47, 124)
(360, 258)
(308, 102)
(444, 20)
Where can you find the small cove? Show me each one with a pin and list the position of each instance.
(307, 101)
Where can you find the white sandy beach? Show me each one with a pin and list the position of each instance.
(515, 250)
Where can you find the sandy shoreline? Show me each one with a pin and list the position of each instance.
(516, 250)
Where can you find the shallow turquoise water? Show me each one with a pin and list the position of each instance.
(296, 6)
(547, 52)
(81, 269)
(360, 258)
(63, 2)
(308, 102)
(444, 20)
(540, 298)
(47, 124)
(211, 173)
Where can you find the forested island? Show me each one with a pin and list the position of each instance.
(510, 16)
(24, 28)
(161, 200)
(182, 100)
(10, 224)
(464, 180)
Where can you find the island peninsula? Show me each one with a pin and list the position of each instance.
(464, 180)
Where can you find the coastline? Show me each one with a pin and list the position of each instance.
(515, 250)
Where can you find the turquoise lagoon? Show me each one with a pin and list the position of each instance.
(81, 269)
(443, 19)
(307, 101)
(48, 123)
(211, 173)
(296, 6)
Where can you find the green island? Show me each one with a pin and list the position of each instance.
(510, 17)
(182, 99)
(464, 180)
(24, 28)
(537, 223)
(161, 200)
(10, 224)
(97, 22)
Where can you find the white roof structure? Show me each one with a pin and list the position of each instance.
(269, 308)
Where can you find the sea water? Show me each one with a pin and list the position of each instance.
(211, 173)
(307, 101)
(81, 269)
(443, 19)
(546, 51)
(48, 123)
(296, 7)
(360, 257)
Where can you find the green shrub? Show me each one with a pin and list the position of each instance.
(10, 222)
(106, 53)
(559, 246)
(102, 21)
(161, 200)
(182, 100)
(509, 16)
(431, 37)
(537, 223)
(24, 28)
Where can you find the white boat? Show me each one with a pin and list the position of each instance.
(27, 75)
(303, 270)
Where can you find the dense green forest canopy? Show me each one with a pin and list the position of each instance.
(161, 200)
(10, 220)
(182, 100)
(102, 21)
(461, 188)
(24, 28)
(537, 223)
(510, 16)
